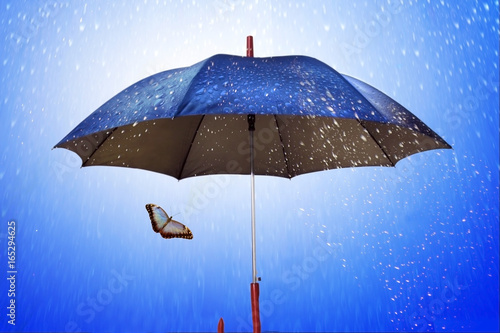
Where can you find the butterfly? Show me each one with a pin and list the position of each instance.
(163, 224)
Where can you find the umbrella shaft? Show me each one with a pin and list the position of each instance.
(252, 177)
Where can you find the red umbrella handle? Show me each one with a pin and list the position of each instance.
(254, 294)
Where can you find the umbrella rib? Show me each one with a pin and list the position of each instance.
(99, 146)
(375, 140)
(364, 97)
(190, 146)
(283, 147)
(361, 123)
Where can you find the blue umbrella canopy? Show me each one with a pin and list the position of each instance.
(193, 121)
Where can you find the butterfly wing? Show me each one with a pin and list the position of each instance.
(163, 224)
(158, 216)
(175, 229)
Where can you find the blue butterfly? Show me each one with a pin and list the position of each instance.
(163, 224)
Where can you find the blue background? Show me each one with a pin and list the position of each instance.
(369, 249)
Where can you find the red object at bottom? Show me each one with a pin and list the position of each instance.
(254, 294)
(220, 327)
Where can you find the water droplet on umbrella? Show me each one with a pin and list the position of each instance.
(158, 102)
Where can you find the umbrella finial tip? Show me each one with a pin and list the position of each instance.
(249, 46)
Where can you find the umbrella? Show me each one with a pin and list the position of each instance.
(278, 116)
